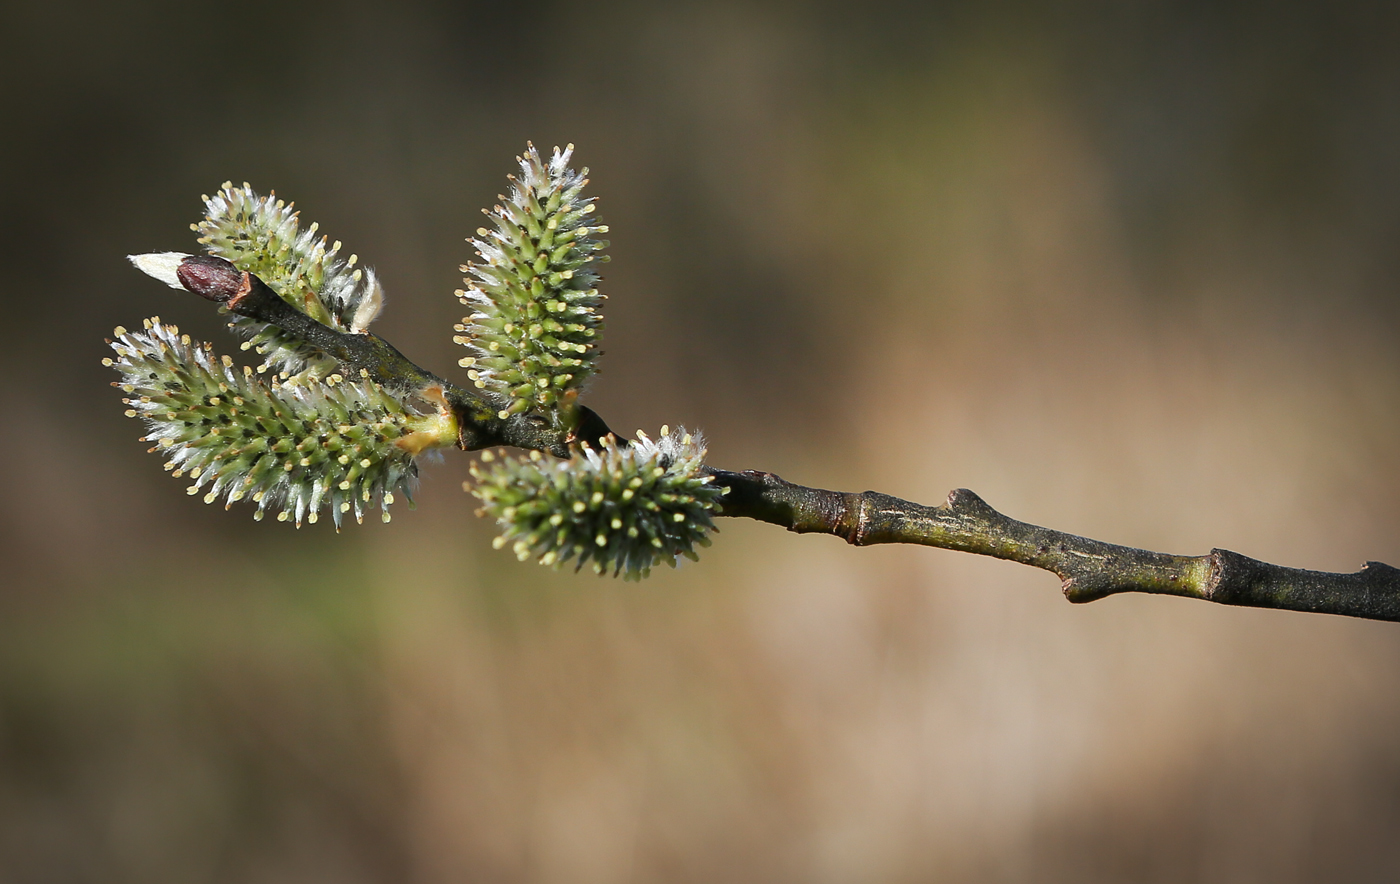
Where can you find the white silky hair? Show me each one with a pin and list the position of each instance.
(161, 266)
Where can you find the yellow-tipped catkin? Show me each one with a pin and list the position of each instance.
(624, 508)
(262, 235)
(297, 448)
(534, 329)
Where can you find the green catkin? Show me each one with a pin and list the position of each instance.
(534, 331)
(261, 235)
(296, 448)
(625, 509)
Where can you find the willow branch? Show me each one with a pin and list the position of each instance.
(1088, 569)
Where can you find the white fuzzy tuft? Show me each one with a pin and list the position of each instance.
(160, 265)
(370, 306)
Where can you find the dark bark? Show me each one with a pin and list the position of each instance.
(1088, 569)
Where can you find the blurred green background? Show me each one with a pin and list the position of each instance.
(1126, 269)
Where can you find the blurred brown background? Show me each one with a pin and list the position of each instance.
(1127, 269)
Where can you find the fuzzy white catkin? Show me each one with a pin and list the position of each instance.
(296, 448)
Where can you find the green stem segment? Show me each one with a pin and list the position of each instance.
(1088, 569)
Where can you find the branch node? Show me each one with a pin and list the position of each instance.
(966, 502)
(1082, 590)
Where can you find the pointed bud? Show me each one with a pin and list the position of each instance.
(212, 278)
